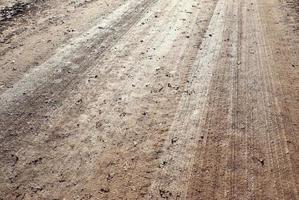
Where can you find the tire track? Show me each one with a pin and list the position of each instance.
(286, 186)
(250, 93)
(172, 178)
(267, 164)
(258, 166)
(283, 123)
(213, 171)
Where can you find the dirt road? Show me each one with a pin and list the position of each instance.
(149, 99)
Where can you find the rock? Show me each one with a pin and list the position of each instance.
(174, 140)
(36, 188)
(104, 190)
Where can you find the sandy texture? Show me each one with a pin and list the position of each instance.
(150, 99)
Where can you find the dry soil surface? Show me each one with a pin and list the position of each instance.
(149, 99)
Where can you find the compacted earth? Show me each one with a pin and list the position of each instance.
(149, 99)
